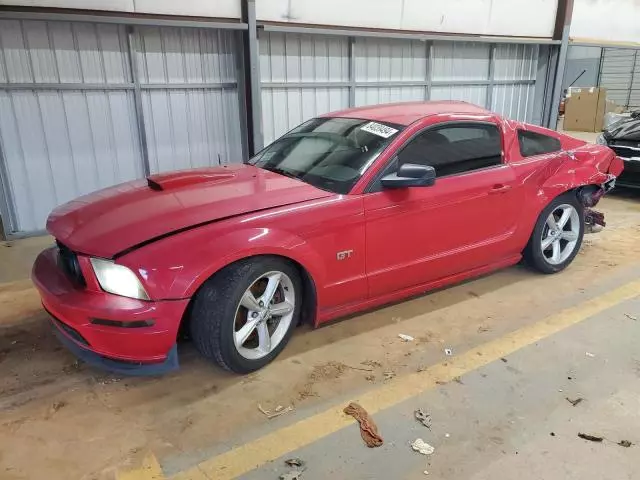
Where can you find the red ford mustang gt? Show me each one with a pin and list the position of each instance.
(346, 212)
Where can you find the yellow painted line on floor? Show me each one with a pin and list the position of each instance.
(251, 455)
(149, 470)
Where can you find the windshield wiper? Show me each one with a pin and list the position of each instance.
(283, 172)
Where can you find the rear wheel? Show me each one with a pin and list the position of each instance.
(244, 315)
(557, 236)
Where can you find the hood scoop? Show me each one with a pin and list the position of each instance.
(186, 178)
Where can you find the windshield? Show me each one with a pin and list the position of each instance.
(328, 153)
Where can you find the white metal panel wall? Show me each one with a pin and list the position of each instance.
(190, 101)
(58, 144)
(297, 75)
(389, 70)
(514, 63)
(618, 72)
(305, 75)
(68, 118)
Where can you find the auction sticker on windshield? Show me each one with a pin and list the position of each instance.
(379, 129)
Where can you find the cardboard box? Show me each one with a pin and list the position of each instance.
(585, 109)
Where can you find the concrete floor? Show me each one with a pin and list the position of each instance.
(491, 418)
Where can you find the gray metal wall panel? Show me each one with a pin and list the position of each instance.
(389, 60)
(303, 58)
(60, 52)
(185, 55)
(476, 94)
(374, 95)
(191, 128)
(514, 101)
(515, 62)
(284, 108)
(616, 73)
(60, 145)
(454, 61)
(296, 59)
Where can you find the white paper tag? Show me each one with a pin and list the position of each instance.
(379, 129)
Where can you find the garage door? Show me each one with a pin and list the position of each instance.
(620, 75)
(69, 123)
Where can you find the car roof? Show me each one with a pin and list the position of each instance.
(406, 113)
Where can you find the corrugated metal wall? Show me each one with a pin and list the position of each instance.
(188, 79)
(68, 119)
(620, 75)
(298, 73)
(304, 75)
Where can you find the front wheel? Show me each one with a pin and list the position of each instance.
(244, 315)
(557, 236)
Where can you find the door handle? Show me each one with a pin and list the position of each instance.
(499, 188)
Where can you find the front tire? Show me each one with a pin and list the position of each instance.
(244, 315)
(557, 236)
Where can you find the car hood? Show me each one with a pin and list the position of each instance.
(628, 130)
(116, 219)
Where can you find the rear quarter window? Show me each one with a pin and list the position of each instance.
(532, 143)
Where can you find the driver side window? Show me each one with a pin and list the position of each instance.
(455, 149)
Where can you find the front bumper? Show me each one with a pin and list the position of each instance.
(142, 350)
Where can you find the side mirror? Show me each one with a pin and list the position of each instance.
(410, 175)
(635, 114)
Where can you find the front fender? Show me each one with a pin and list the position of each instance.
(183, 262)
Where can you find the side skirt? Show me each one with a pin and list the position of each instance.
(342, 311)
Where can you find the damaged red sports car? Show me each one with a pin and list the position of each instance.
(346, 212)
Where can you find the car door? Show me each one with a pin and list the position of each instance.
(419, 234)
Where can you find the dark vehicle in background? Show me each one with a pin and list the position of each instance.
(623, 137)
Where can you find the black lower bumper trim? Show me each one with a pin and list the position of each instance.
(120, 367)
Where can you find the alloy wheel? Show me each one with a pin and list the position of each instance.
(264, 315)
(560, 234)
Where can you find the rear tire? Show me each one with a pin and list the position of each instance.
(223, 329)
(557, 235)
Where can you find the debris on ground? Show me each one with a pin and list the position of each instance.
(406, 338)
(631, 317)
(321, 373)
(279, 410)
(591, 438)
(483, 329)
(589, 354)
(371, 363)
(370, 378)
(426, 472)
(360, 368)
(625, 443)
(574, 402)
(552, 434)
(389, 375)
(368, 428)
(58, 405)
(423, 417)
(422, 447)
(504, 359)
(448, 352)
(458, 380)
(447, 435)
(292, 475)
(294, 462)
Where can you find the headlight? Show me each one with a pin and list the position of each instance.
(118, 279)
(600, 140)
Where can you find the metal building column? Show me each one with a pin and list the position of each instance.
(489, 101)
(7, 209)
(633, 71)
(352, 72)
(137, 99)
(563, 25)
(252, 78)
